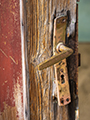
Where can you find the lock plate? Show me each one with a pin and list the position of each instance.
(61, 74)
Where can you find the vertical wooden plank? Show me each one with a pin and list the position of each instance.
(40, 20)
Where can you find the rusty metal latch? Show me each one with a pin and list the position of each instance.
(60, 53)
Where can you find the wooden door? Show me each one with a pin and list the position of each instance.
(40, 26)
(13, 68)
(26, 39)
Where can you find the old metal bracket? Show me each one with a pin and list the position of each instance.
(60, 53)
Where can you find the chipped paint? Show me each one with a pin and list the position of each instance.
(5, 81)
(11, 81)
(5, 43)
(3, 52)
(9, 113)
(18, 99)
(15, 61)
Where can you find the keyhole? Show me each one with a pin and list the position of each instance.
(62, 79)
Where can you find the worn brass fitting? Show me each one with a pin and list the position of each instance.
(62, 53)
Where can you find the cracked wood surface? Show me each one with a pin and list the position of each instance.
(40, 23)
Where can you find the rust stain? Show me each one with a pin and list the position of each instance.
(16, 62)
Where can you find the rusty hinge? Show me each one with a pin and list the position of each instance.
(60, 53)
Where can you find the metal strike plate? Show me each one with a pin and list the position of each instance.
(61, 74)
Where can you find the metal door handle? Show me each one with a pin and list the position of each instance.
(62, 53)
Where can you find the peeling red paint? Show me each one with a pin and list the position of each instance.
(10, 56)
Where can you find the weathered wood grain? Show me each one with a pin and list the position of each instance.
(40, 23)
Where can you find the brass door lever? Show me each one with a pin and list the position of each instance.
(62, 53)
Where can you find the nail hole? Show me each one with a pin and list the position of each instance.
(62, 79)
(62, 101)
(67, 99)
(60, 62)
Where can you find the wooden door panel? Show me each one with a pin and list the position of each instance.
(40, 24)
